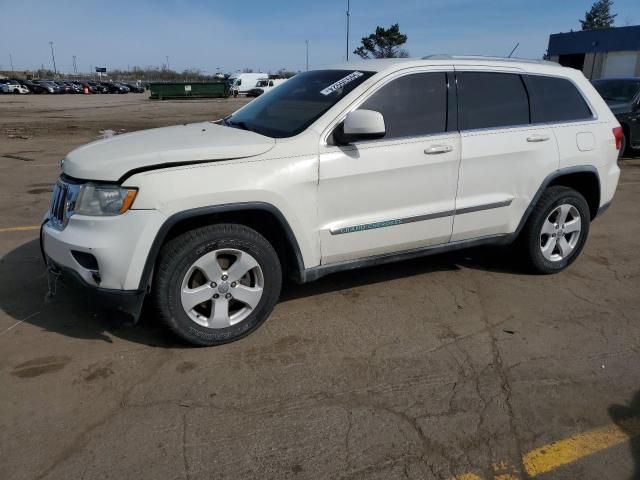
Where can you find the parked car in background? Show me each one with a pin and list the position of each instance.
(241, 83)
(63, 86)
(21, 89)
(264, 86)
(134, 88)
(623, 97)
(91, 88)
(75, 86)
(114, 87)
(255, 92)
(361, 164)
(51, 87)
(99, 87)
(8, 85)
(20, 81)
(35, 87)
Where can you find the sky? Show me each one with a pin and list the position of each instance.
(266, 35)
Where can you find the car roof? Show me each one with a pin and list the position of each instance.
(390, 64)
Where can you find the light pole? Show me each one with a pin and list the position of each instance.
(53, 57)
(75, 66)
(167, 57)
(348, 17)
(307, 42)
(11, 61)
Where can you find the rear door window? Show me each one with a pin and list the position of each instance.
(491, 100)
(412, 105)
(555, 100)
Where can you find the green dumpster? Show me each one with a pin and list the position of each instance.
(189, 90)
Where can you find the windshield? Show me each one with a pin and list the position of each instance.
(296, 104)
(617, 90)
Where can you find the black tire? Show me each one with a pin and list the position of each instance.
(530, 238)
(180, 253)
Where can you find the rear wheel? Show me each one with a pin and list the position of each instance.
(556, 231)
(216, 284)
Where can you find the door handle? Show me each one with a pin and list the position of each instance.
(537, 138)
(437, 149)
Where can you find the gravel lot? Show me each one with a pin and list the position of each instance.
(454, 365)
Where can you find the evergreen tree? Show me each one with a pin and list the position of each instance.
(384, 43)
(599, 16)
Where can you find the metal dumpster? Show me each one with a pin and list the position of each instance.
(161, 90)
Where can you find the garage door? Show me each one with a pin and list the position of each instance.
(620, 64)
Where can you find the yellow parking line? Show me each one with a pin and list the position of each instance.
(20, 229)
(550, 457)
(563, 452)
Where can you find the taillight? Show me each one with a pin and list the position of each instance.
(618, 134)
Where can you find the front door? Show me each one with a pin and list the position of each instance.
(397, 193)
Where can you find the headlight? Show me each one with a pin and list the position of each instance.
(104, 200)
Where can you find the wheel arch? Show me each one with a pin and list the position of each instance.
(265, 218)
(587, 183)
(584, 179)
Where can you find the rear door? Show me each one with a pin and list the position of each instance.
(504, 157)
(581, 139)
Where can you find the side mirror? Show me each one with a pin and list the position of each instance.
(361, 125)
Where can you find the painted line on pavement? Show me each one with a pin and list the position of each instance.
(563, 452)
(20, 229)
(550, 457)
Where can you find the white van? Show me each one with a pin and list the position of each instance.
(360, 164)
(241, 83)
(265, 85)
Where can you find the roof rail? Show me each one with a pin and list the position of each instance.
(485, 57)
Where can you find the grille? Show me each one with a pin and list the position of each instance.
(58, 204)
(62, 203)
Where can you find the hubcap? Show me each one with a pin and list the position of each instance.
(560, 233)
(222, 288)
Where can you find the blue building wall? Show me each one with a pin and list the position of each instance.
(595, 41)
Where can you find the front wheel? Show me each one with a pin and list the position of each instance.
(216, 284)
(556, 231)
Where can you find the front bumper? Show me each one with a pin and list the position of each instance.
(118, 246)
(128, 302)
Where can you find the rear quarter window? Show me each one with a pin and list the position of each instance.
(555, 100)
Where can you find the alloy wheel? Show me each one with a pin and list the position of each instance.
(222, 288)
(560, 233)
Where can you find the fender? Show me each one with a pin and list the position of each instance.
(145, 279)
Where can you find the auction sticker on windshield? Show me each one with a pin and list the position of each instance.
(341, 83)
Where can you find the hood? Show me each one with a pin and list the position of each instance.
(113, 158)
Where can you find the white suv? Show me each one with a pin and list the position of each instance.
(360, 164)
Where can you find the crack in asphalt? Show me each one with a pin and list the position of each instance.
(77, 444)
(185, 460)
